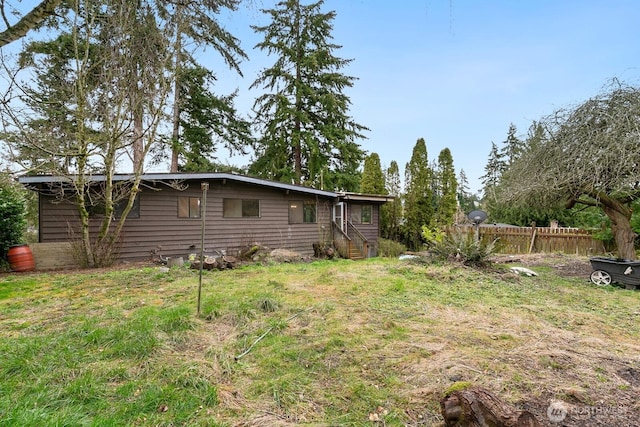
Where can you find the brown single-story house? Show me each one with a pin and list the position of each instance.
(239, 211)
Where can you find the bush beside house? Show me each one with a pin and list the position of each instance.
(12, 216)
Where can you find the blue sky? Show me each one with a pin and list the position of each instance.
(458, 72)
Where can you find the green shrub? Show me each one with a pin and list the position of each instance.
(463, 247)
(390, 248)
(12, 215)
(432, 235)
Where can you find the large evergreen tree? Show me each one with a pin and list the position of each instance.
(307, 135)
(206, 120)
(372, 181)
(418, 203)
(512, 147)
(447, 189)
(202, 119)
(48, 133)
(494, 169)
(466, 200)
(391, 212)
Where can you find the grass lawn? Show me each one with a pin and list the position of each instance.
(328, 343)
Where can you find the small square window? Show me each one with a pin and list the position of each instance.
(188, 207)
(302, 212)
(250, 208)
(135, 209)
(361, 214)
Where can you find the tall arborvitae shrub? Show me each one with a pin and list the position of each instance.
(12, 215)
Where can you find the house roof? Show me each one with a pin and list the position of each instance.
(149, 177)
(357, 197)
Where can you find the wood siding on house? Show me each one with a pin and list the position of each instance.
(159, 230)
(370, 231)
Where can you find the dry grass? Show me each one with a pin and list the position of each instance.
(366, 343)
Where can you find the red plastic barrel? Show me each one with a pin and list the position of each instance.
(20, 258)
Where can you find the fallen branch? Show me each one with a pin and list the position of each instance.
(244, 353)
(471, 369)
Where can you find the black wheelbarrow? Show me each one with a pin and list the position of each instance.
(615, 270)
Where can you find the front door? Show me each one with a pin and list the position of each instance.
(340, 215)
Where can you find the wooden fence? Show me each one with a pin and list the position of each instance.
(522, 240)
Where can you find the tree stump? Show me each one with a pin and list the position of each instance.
(477, 407)
(218, 263)
(323, 251)
(175, 262)
(228, 261)
(210, 263)
(317, 250)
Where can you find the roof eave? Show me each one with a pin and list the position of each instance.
(361, 197)
(44, 179)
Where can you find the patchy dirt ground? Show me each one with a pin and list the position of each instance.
(580, 407)
(596, 376)
(564, 265)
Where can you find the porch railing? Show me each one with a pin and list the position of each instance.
(358, 240)
(341, 241)
(352, 245)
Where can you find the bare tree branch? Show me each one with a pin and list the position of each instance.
(591, 158)
(28, 22)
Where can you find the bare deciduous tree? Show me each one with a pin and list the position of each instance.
(592, 158)
(92, 100)
(107, 65)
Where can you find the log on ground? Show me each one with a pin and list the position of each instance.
(478, 407)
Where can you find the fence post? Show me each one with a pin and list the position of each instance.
(533, 236)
